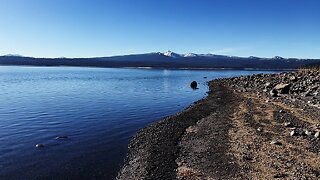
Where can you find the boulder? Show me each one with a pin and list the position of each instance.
(274, 93)
(282, 88)
(194, 85)
(292, 78)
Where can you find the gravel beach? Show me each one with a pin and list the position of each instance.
(249, 127)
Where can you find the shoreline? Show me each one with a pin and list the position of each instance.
(157, 68)
(145, 148)
(236, 132)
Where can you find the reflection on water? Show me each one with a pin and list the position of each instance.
(98, 109)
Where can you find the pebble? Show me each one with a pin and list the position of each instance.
(308, 133)
(293, 133)
(279, 175)
(276, 142)
(317, 135)
(288, 124)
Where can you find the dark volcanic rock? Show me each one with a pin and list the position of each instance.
(273, 93)
(194, 85)
(282, 88)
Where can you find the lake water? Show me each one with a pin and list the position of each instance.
(99, 109)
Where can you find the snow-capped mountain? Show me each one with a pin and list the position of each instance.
(278, 57)
(171, 54)
(209, 55)
(190, 55)
(167, 59)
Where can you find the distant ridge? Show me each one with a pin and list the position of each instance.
(167, 59)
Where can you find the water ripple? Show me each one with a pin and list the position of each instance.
(98, 109)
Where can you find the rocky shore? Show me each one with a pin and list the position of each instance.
(249, 127)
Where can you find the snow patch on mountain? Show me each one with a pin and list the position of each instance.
(190, 55)
(171, 54)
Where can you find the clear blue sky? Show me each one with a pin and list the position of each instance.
(86, 28)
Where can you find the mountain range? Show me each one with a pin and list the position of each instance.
(167, 59)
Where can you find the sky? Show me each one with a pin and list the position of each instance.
(91, 28)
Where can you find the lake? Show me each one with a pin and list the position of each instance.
(98, 109)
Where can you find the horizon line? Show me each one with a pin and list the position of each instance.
(154, 52)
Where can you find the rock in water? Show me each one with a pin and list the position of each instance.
(39, 145)
(194, 85)
(62, 137)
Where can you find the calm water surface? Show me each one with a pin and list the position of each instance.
(98, 109)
